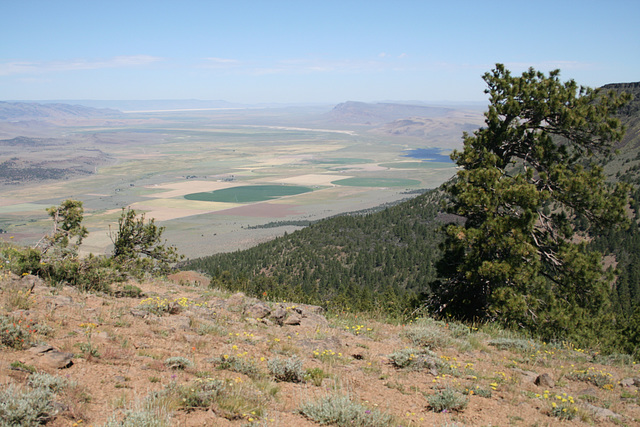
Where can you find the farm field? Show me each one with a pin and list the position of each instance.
(211, 177)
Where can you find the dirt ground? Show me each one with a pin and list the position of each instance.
(120, 345)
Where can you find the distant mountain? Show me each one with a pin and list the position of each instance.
(439, 131)
(625, 165)
(362, 113)
(20, 111)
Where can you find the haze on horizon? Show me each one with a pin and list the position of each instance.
(306, 52)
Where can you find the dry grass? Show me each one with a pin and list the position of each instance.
(421, 373)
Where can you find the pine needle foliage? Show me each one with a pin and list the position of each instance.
(532, 194)
(138, 244)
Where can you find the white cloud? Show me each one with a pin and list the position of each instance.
(26, 67)
(10, 68)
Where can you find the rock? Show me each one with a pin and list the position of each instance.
(627, 382)
(30, 281)
(306, 308)
(601, 412)
(174, 308)
(40, 349)
(293, 319)
(278, 315)
(303, 315)
(314, 321)
(545, 381)
(56, 301)
(266, 322)
(57, 359)
(527, 376)
(257, 311)
(51, 357)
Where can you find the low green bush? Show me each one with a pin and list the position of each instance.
(20, 260)
(53, 383)
(153, 411)
(142, 418)
(315, 375)
(19, 407)
(447, 400)
(339, 410)
(237, 364)
(288, 370)
(429, 333)
(414, 359)
(12, 334)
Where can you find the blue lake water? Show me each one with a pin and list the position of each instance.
(428, 155)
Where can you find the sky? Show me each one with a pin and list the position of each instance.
(321, 51)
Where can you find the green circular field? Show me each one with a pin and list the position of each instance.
(248, 193)
(377, 182)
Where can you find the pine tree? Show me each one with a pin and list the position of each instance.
(67, 226)
(138, 244)
(530, 192)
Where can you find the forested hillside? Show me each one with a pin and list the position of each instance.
(624, 245)
(381, 261)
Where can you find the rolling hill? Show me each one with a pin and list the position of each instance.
(361, 113)
(19, 111)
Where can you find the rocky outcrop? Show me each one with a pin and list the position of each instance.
(282, 314)
(50, 357)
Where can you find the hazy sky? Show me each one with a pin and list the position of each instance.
(305, 51)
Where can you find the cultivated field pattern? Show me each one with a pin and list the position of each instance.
(209, 176)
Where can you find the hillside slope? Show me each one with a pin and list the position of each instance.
(13, 111)
(362, 113)
(379, 261)
(626, 164)
(188, 355)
